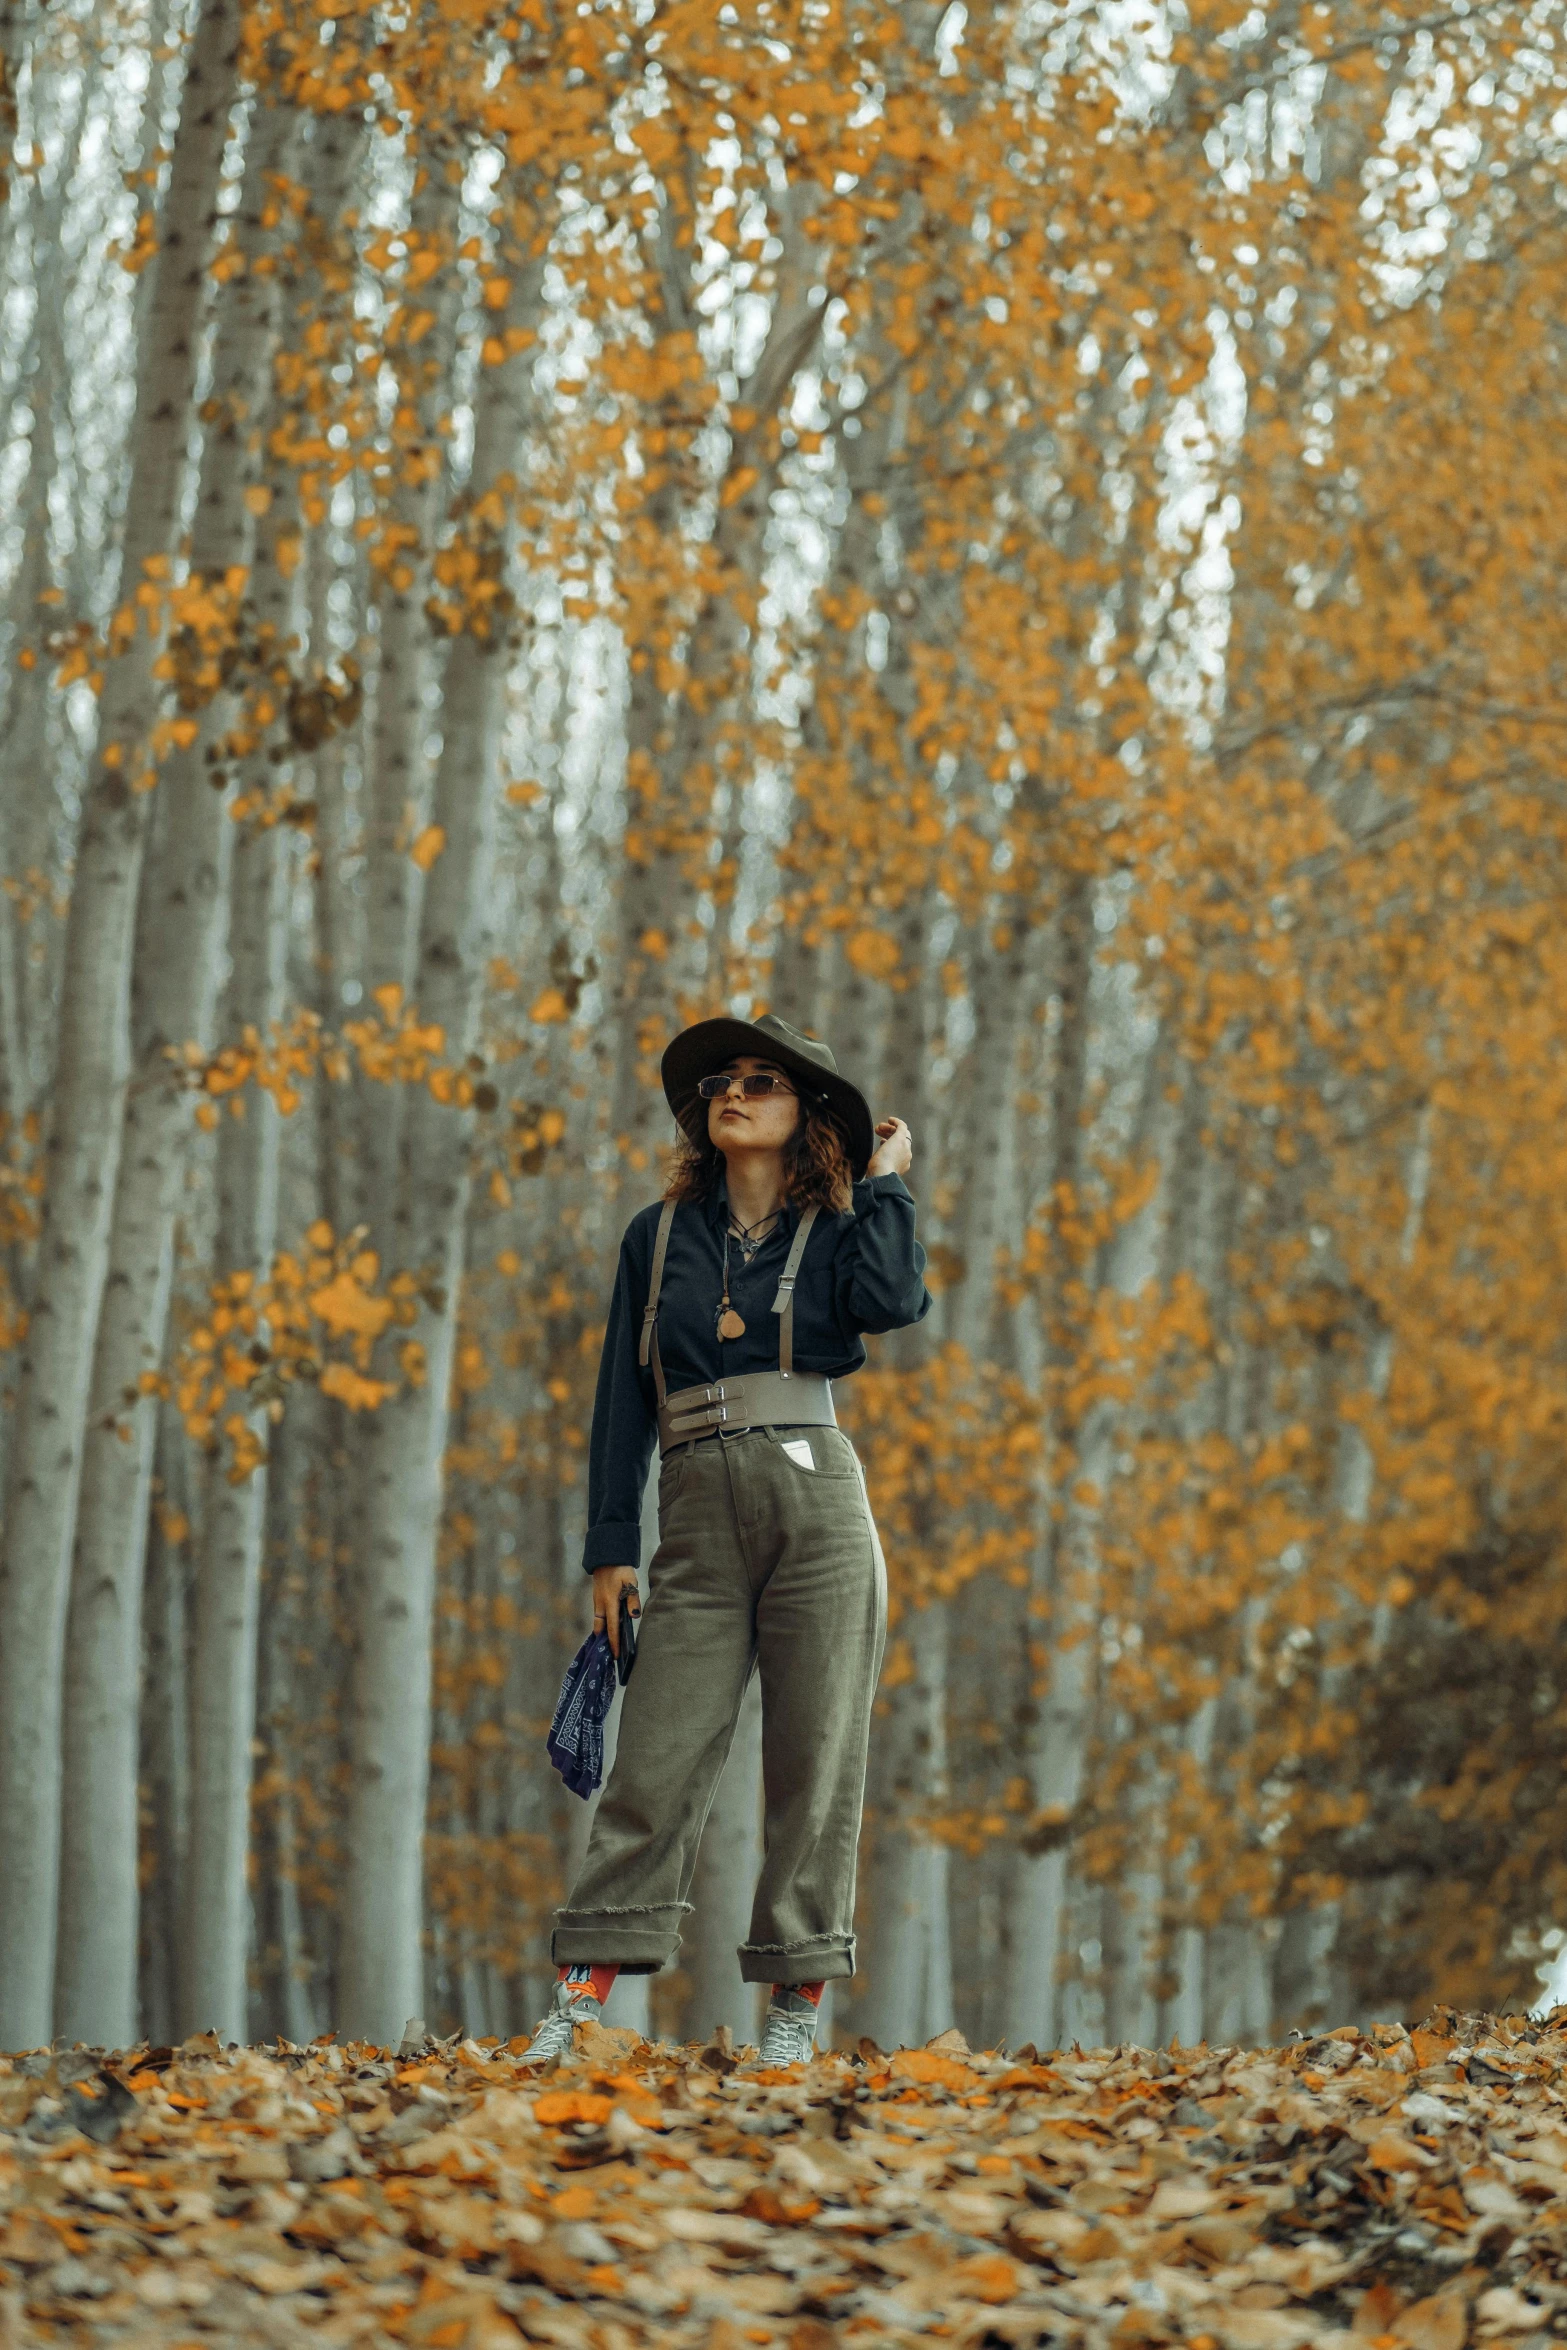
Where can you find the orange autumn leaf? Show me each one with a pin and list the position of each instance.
(352, 1388)
(560, 2106)
(926, 2065)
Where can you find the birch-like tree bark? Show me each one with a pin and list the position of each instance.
(906, 1895)
(87, 1109)
(397, 776)
(95, 1984)
(1055, 1709)
(1132, 1921)
(212, 1987)
(298, 1606)
(678, 746)
(380, 1980)
(906, 1963)
(164, 1772)
(289, 1965)
(1205, 1188)
(32, 818)
(183, 903)
(213, 1992)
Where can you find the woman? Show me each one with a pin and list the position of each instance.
(785, 1233)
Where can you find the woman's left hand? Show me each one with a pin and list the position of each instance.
(896, 1150)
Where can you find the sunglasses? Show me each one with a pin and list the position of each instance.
(755, 1087)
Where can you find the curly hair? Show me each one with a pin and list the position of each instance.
(816, 1170)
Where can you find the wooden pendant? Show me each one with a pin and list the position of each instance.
(730, 1324)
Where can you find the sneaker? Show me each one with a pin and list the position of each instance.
(789, 2034)
(555, 2036)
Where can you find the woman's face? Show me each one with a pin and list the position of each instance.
(767, 1123)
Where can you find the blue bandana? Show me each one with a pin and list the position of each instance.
(576, 1739)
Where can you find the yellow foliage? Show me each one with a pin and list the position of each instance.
(352, 1388)
(1307, 825)
(873, 953)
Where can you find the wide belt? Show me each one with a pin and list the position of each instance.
(762, 1399)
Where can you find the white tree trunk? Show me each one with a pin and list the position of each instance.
(1310, 1979)
(292, 1602)
(88, 1102)
(178, 940)
(165, 1744)
(1203, 1221)
(1181, 2018)
(422, 1228)
(223, 1663)
(688, 739)
(989, 1217)
(95, 1980)
(396, 787)
(1067, 1567)
(906, 1964)
(30, 779)
(380, 1979)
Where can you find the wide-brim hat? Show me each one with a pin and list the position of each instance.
(702, 1050)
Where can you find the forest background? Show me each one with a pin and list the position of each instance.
(1028, 537)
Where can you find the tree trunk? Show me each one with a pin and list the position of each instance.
(907, 1965)
(178, 937)
(396, 785)
(1055, 1704)
(380, 1980)
(88, 1104)
(30, 778)
(683, 745)
(223, 1665)
(297, 1593)
(165, 1743)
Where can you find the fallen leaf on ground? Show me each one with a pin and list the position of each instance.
(1389, 2189)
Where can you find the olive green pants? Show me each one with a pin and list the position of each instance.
(763, 1562)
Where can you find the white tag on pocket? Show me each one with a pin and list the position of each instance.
(799, 1451)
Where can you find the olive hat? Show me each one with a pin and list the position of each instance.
(704, 1049)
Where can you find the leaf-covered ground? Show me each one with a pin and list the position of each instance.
(1366, 2192)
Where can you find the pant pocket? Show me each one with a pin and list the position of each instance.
(672, 1476)
(825, 1453)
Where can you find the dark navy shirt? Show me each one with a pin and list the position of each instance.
(863, 1270)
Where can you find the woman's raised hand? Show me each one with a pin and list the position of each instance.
(896, 1148)
(608, 1583)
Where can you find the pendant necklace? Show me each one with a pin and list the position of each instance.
(731, 1324)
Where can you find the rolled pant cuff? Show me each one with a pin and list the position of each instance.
(639, 1941)
(827, 1961)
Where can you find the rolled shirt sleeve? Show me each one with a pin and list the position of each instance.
(623, 1428)
(880, 1266)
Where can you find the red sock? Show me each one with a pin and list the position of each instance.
(811, 1991)
(597, 1979)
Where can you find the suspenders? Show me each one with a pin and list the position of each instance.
(783, 1303)
(650, 1310)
